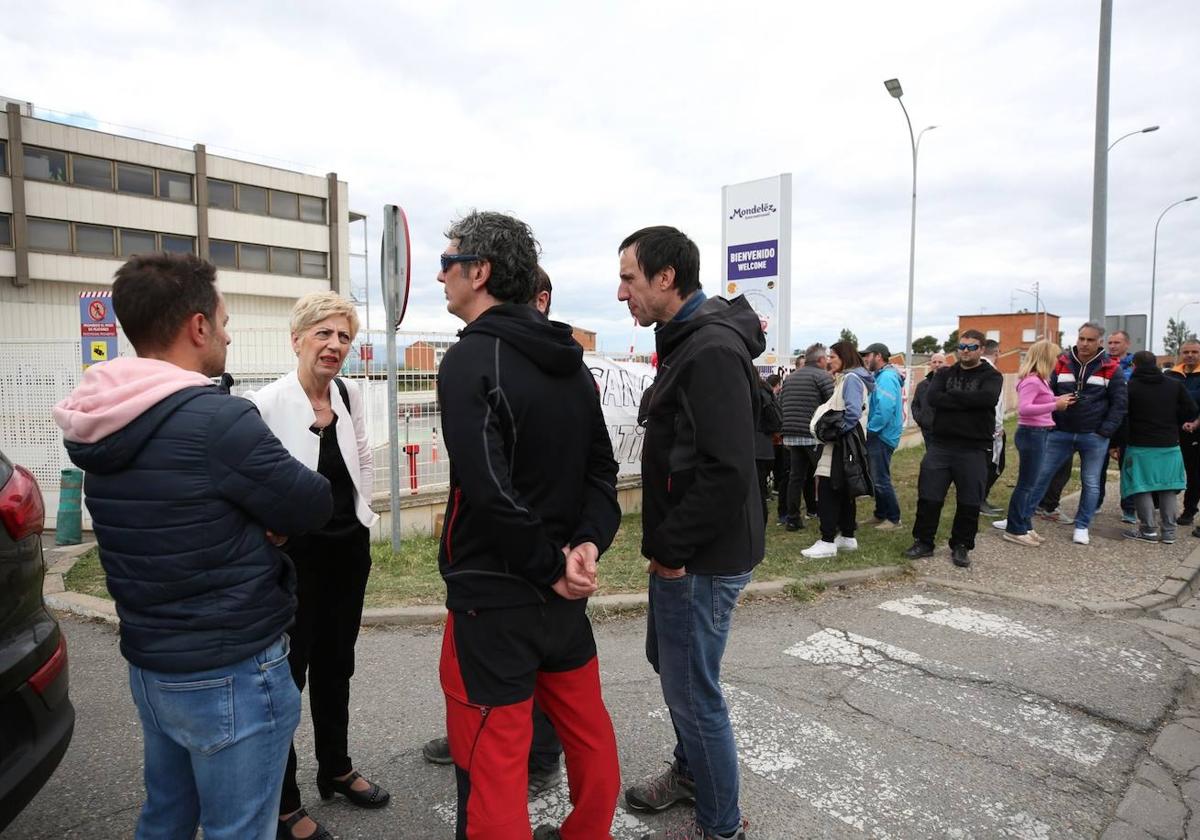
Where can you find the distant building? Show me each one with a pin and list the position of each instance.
(586, 338)
(1016, 332)
(425, 355)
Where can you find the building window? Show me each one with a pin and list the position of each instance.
(92, 172)
(993, 335)
(94, 239)
(283, 205)
(222, 254)
(221, 194)
(285, 261)
(252, 199)
(49, 235)
(5, 230)
(174, 186)
(312, 264)
(3, 157)
(312, 209)
(136, 180)
(178, 244)
(45, 165)
(137, 242)
(1028, 335)
(252, 257)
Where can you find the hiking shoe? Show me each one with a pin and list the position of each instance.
(546, 832)
(821, 549)
(664, 790)
(1185, 519)
(960, 556)
(988, 509)
(1167, 539)
(845, 543)
(437, 751)
(1129, 518)
(1021, 539)
(542, 779)
(918, 550)
(1138, 534)
(888, 525)
(1001, 524)
(692, 831)
(1080, 537)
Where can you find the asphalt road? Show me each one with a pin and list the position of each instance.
(888, 711)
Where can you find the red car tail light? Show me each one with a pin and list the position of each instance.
(21, 506)
(48, 673)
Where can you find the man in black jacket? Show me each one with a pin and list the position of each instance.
(963, 397)
(187, 489)
(702, 524)
(805, 388)
(532, 506)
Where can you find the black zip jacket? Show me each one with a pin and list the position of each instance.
(964, 405)
(1157, 406)
(531, 464)
(700, 501)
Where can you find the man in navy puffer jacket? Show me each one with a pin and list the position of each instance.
(190, 494)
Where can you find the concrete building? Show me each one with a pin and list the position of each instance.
(1016, 332)
(76, 202)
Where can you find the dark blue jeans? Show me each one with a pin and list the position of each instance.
(887, 506)
(1031, 446)
(1092, 449)
(686, 631)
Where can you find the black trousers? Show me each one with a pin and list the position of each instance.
(802, 479)
(968, 470)
(764, 473)
(1053, 495)
(545, 748)
(781, 473)
(331, 579)
(1189, 444)
(838, 510)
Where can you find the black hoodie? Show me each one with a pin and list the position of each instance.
(700, 501)
(531, 464)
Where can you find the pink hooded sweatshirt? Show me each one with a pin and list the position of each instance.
(113, 394)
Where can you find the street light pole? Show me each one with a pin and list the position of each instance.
(893, 87)
(1145, 130)
(1154, 270)
(1100, 170)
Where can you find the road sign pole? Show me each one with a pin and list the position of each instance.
(394, 258)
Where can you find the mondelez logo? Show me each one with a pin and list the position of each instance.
(753, 211)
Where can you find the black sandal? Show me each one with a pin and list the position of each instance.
(373, 797)
(284, 832)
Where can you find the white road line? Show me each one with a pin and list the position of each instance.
(873, 787)
(1035, 721)
(1127, 661)
(552, 807)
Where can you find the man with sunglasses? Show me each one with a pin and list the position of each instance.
(1096, 380)
(958, 447)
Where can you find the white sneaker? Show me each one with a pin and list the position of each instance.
(1000, 524)
(846, 543)
(821, 549)
(1080, 537)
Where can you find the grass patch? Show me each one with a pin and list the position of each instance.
(411, 576)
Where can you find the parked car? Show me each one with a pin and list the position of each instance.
(36, 715)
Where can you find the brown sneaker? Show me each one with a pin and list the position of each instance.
(1022, 539)
(661, 791)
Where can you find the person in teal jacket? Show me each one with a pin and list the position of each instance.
(885, 421)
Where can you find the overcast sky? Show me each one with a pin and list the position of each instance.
(592, 121)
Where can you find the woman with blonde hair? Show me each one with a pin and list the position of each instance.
(320, 419)
(1035, 404)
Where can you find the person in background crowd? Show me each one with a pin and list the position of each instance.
(885, 422)
(852, 386)
(805, 388)
(958, 446)
(1118, 350)
(1088, 423)
(921, 412)
(532, 506)
(1153, 467)
(701, 523)
(991, 356)
(545, 750)
(770, 422)
(781, 471)
(1188, 372)
(320, 419)
(1035, 403)
(190, 494)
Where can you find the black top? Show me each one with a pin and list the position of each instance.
(1158, 406)
(332, 465)
(964, 403)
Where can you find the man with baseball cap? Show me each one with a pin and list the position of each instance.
(885, 421)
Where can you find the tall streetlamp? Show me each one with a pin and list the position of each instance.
(1038, 325)
(1179, 314)
(1154, 270)
(893, 87)
(1145, 130)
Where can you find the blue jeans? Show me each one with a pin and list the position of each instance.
(1092, 449)
(1031, 446)
(215, 744)
(887, 506)
(687, 628)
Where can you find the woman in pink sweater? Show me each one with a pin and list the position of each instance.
(1035, 403)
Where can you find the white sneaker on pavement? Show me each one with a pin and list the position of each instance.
(821, 549)
(846, 543)
(1000, 524)
(1080, 537)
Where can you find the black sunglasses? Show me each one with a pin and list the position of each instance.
(970, 348)
(450, 259)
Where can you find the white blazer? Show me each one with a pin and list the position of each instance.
(288, 413)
